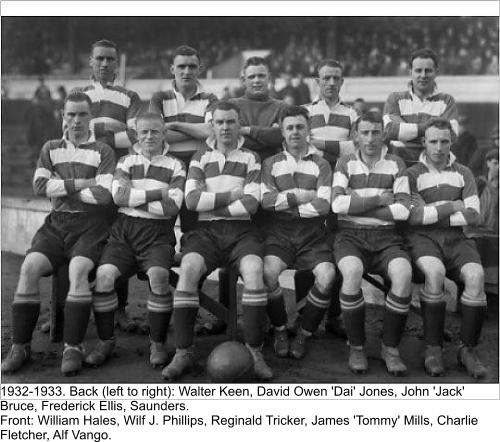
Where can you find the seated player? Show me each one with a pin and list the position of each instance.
(223, 186)
(75, 173)
(148, 188)
(370, 193)
(296, 187)
(444, 199)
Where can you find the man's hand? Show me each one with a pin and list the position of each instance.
(458, 205)
(164, 193)
(124, 182)
(387, 198)
(236, 194)
(171, 126)
(83, 183)
(416, 200)
(304, 196)
(245, 130)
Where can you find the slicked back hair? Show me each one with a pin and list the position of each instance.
(372, 117)
(226, 105)
(439, 123)
(255, 61)
(77, 96)
(105, 44)
(295, 111)
(424, 53)
(329, 62)
(150, 116)
(186, 51)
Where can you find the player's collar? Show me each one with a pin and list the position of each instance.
(322, 102)
(311, 150)
(212, 142)
(199, 89)
(434, 92)
(383, 153)
(90, 139)
(266, 97)
(137, 149)
(98, 84)
(423, 159)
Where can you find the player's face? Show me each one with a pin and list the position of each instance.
(369, 138)
(492, 166)
(256, 81)
(423, 73)
(226, 127)
(330, 81)
(104, 62)
(77, 118)
(295, 131)
(437, 146)
(150, 136)
(186, 69)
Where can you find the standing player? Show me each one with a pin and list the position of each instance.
(331, 133)
(148, 188)
(186, 111)
(331, 119)
(260, 114)
(223, 186)
(76, 173)
(296, 188)
(114, 109)
(444, 199)
(370, 193)
(405, 113)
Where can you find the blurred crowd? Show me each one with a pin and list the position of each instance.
(366, 46)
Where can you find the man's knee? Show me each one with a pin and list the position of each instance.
(158, 279)
(105, 278)
(324, 274)
(192, 267)
(434, 271)
(352, 270)
(400, 273)
(251, 267)
(473, 276)
(32, 270)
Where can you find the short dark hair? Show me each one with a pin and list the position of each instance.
(370, 116)
(226, 105)
(359, 100)
(187, 51)
(424, 53)
(255, 61)
(491, 155)
(295, 111)
(104, 44)
(439, 123)
(328, 62)
(77, 96)
(150, 116)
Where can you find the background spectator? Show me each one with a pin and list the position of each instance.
(465, 145)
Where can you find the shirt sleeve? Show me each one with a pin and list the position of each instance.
(320, 204)
(249, 202)
(100, 194)
(197, 197)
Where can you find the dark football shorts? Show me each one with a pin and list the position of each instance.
(301, 244)
(449, 245)
(223, 242)
(137, 244)
(376, 247)
(65, 235)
